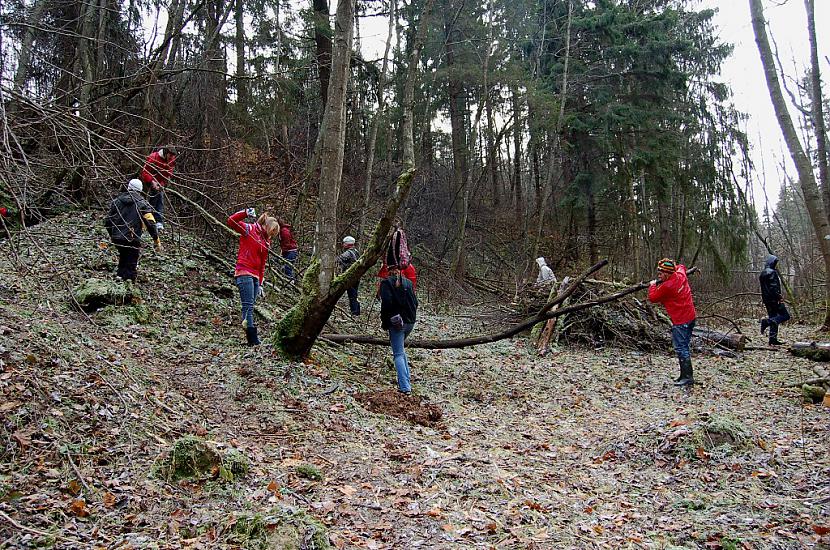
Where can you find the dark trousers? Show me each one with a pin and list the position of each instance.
(127, 260)
(354, 305)
(290, 258)
(156, 199)
(778, 314)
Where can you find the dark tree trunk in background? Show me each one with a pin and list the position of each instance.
(322, 38)
(241, 84)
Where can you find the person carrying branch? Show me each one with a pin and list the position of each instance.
(671, 288)
(128, 215)
(397, 253)
(773, 300)
(398, 308)
(157, 172)
(254, 243)
(345, 260)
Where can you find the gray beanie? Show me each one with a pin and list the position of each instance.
(135, 185)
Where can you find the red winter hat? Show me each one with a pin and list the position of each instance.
(4, 211)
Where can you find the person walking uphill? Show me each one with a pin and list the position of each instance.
(129, 213)
(671, 288)
(157, 172)
(254, 242)
(345, 260)
(773, 300)
(288, 247)
(398, 307)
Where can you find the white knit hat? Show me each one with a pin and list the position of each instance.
(135, 185)
(541, 261)
(348, 240)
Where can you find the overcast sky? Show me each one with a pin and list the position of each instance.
(743, 72)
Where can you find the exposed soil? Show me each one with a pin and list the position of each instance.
(408, 407)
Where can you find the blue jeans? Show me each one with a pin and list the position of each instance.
(681, 335)
(156, 199)
(248, 292)
(778, 314)
(288, 265)
(354, 305)
(396, 338)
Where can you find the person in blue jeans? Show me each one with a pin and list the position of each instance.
(398, 308)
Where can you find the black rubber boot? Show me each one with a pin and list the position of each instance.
(775, 342)
(686, 375)
(764, 325)
(250, 334)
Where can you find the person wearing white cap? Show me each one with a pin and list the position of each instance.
(545, 273)
(129, 214)
(345, 260)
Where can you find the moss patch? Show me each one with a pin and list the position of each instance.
(94, 294)
(720, 433)
(279, 528)
(125, 316)
(193, 457)
(309, 472)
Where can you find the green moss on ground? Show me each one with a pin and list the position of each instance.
(720, 432)
(94, 294)
(193, 457)
(309, 471)
(279, 528)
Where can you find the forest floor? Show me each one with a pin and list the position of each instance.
(500, 448)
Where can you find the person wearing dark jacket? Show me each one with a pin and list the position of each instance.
(344, 261)
(398, 307)
(773, 300)
(129, 214)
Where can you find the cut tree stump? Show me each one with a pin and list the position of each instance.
(736, 340)
(815, 351)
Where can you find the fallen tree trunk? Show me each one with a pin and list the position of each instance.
(815, 351)
(736, 341)
(543, 315)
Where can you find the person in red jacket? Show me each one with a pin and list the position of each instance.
(288, 247)
(254, 243)
(671, 288)
(156, 174)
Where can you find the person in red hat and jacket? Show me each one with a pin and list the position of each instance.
(671, 288)
(156, 174)
(254, 244)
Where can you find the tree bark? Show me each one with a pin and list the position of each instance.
(407, 125)
(300, 327)
(23, 63)
(322, 39)
(373, 133)
(817, 104)
(807, 181)
(333, 145)
(241, 84)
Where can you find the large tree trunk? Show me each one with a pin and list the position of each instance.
(241, 84)
(22, 72)
(818, 107)
(407, 125)
(373, 133)
(333, 145)
(322, 38)
(517, 153)
(300, 327)
(812, 197)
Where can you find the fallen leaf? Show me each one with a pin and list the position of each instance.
(677, 422)
(23, 438)
(435, 513)
(74, 487)
(9, 405)
(821, 530)
(109, 499)
(78, 507)
(347, 490)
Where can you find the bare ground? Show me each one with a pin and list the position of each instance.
(585, 448)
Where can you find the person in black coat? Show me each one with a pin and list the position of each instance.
(773, 300)
(129, 214)
(398, 308)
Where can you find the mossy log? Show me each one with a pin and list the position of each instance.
(736, 340)
(815, 351)
(812, 394)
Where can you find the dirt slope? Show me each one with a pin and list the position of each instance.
(585, 448)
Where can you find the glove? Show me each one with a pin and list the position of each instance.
(250, 212)
(262, 292)
(652, 282)
(157, 245)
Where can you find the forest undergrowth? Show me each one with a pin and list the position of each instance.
(500, 449)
